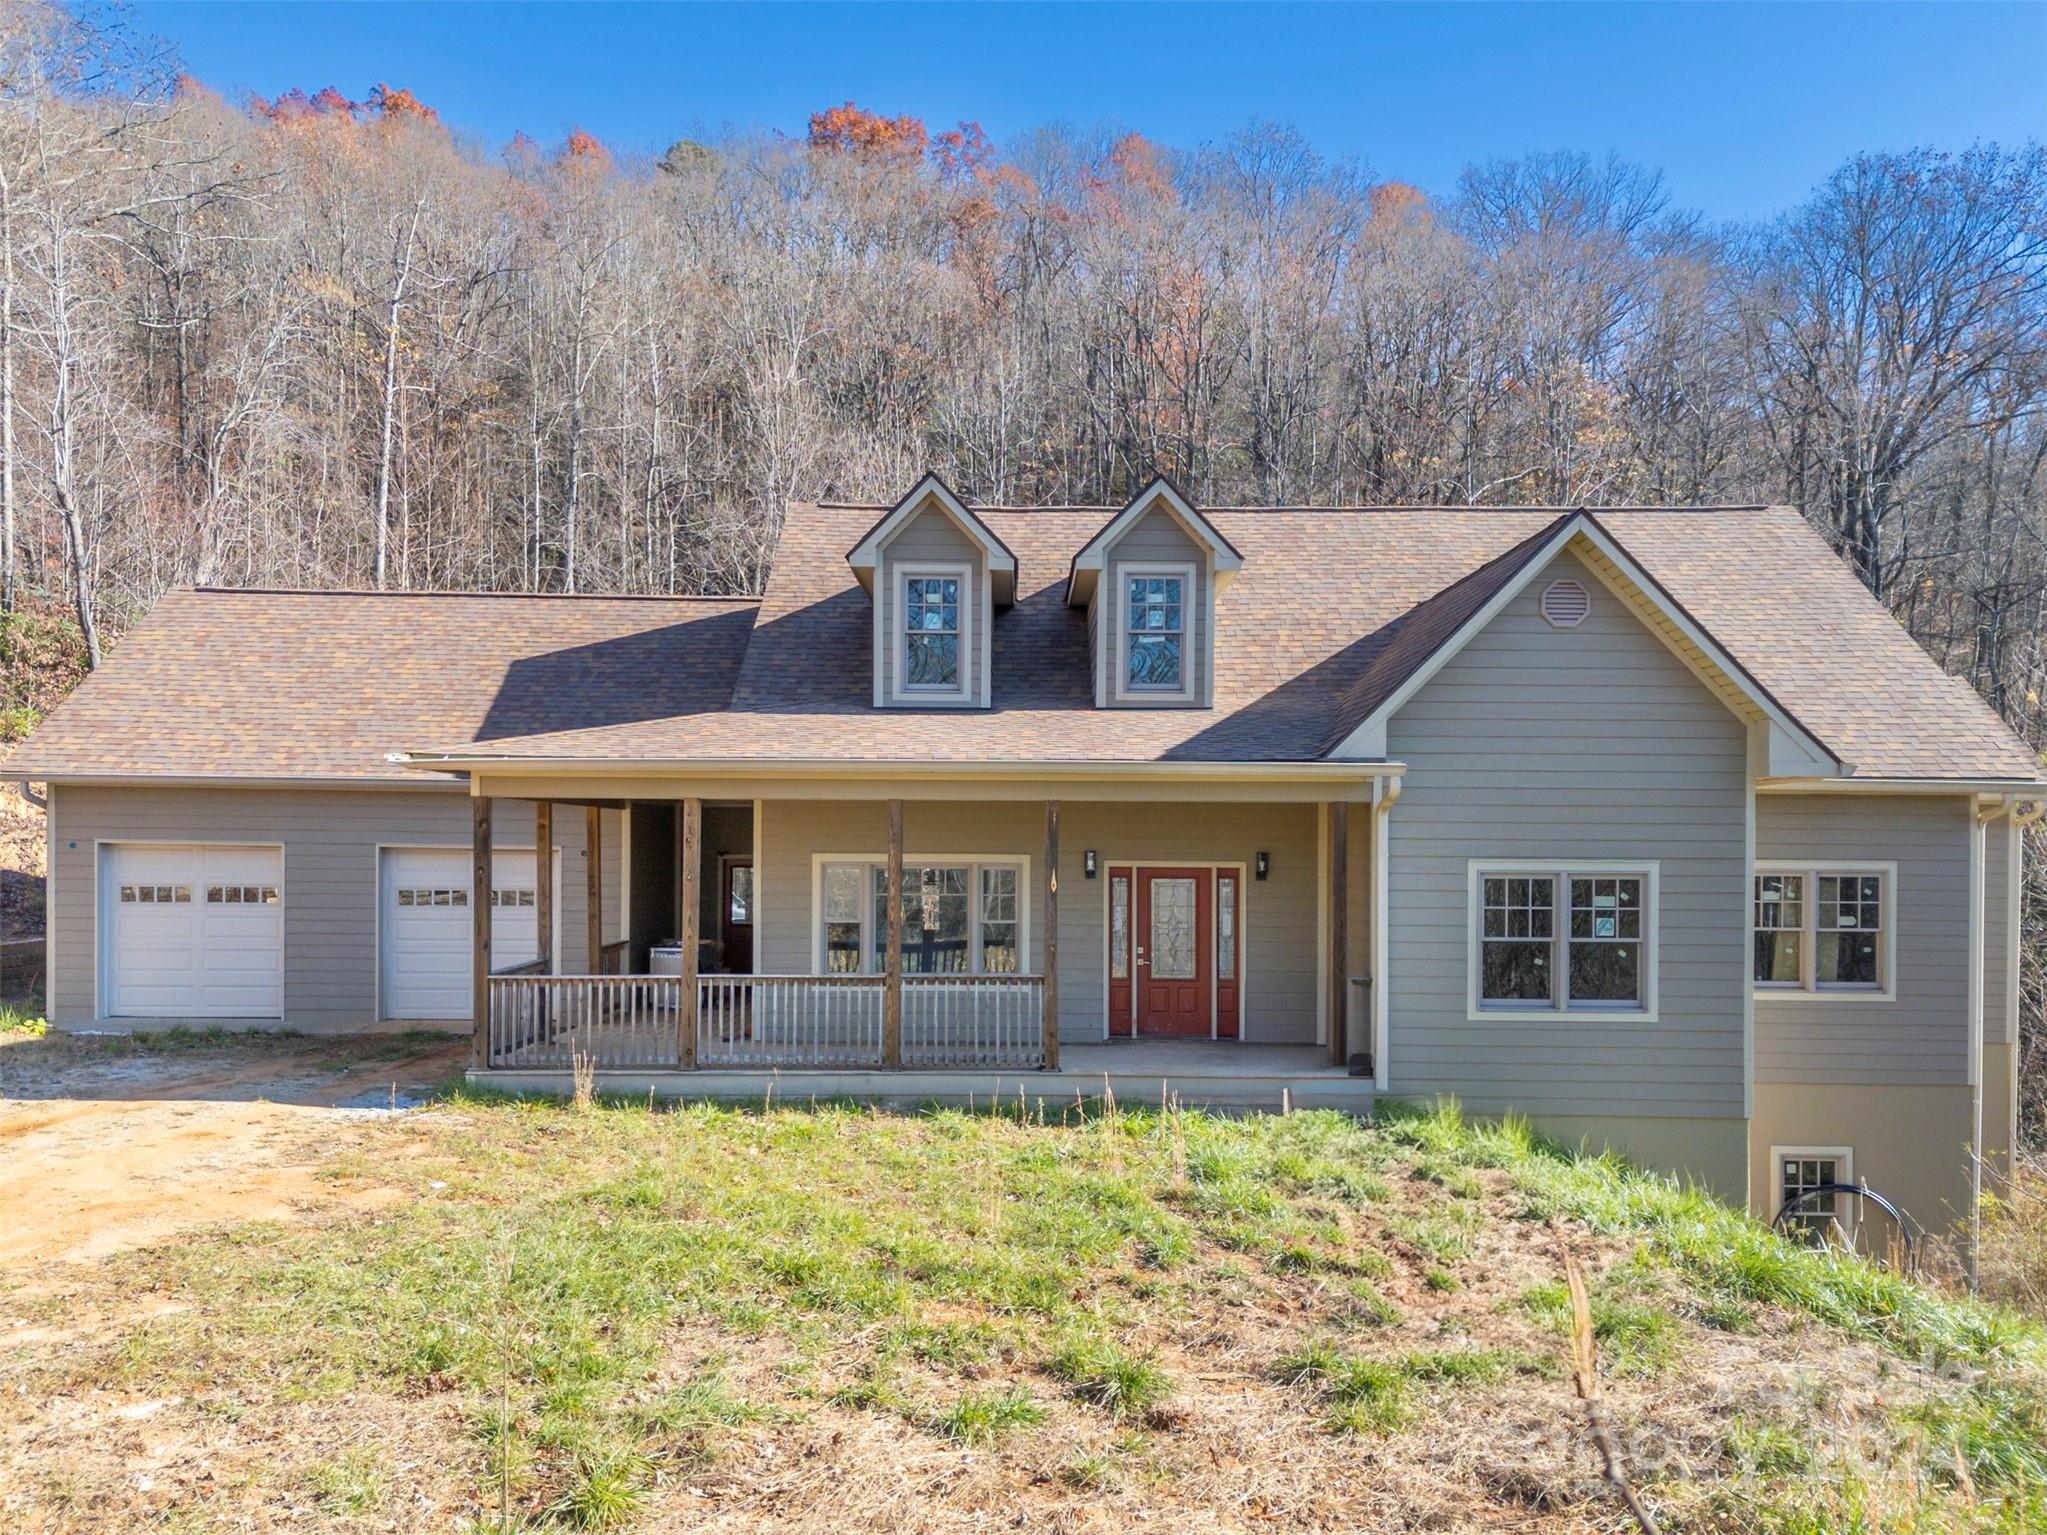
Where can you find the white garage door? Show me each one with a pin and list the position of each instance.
(195, 932)
(424, 931)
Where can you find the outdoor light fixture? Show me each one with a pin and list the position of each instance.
(1264, 864)
(1087, 863)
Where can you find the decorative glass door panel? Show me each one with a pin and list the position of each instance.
(1175, 960)
(1172, 930)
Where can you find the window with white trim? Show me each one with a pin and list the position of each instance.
(1822, 929)
(1569, 940)
(1780, 930)
(932, 631)
(958, 918)
(1155, 639)
(1802, 1172)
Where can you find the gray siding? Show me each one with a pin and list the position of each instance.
(1158, 538)
(1592, 743)
(931, 535)
(330, 840)
(1279, 917)
(1922, 1037)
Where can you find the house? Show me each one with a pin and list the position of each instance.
(1647, 823)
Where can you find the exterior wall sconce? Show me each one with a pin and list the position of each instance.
(1264, 865)
(1087, 863)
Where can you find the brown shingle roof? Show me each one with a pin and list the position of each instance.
(1329, 603)
(1408, 642)
(246, 684)
(1318, 602)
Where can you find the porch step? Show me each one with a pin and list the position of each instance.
(1247, 1088)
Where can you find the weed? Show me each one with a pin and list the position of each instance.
(1366, 1307)
(1633, 1339)
(350, 1485)
(22, 1021)
(1110, 1377)
(982, 1417)
(1089, 1472)
(606, 1488)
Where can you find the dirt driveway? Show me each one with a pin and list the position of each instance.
(117, 1143)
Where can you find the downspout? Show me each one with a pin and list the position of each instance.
(1385, 795)
(2020, 820)
(1984, 819)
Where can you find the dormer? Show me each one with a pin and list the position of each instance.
(935, 574)
(1149, 581)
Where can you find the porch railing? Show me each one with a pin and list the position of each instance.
(767, 1021)
(789, 1020)
(974, 1020)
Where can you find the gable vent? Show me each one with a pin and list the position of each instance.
(1565, 604)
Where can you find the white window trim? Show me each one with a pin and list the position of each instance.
(903, 691)
(1808, 988)
(1122, 573)
(1844, 1155)
(974, 862)
(1649, 871)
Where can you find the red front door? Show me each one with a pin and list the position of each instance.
(1174, 936)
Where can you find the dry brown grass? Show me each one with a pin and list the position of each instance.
(2014, 1260)
(265, 1379)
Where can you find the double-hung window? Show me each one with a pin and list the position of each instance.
(1155, 638)
(1563, 940)
(1823, 930)
(932, 632)
(959, 918)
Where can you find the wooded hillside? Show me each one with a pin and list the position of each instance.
(327, 342)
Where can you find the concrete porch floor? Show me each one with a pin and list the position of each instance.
(1197, 1073)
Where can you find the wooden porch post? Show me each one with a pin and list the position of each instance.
(1051, 935)
(479, 930)
(543, 875)
(692, 859)
(892, 987)
(1339, 930)
(593, 882)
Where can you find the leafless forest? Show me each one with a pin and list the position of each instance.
(325, 342)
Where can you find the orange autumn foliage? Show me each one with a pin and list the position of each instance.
(850, 129)
(582, 151)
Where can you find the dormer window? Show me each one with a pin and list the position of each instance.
(931, 630)
(1156, 610)
(936, 573)
(1149, 581)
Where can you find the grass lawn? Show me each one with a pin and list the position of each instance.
(827, 1318)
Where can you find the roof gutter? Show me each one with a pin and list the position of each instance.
(2019, 786)
(412, 782)
(826, 767)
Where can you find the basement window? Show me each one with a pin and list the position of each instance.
(1801, 1172)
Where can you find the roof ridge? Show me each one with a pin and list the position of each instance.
(356, 591)
(1534, 508)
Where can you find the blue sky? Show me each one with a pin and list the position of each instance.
(1744, 107)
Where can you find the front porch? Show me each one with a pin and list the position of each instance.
(915, 953)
